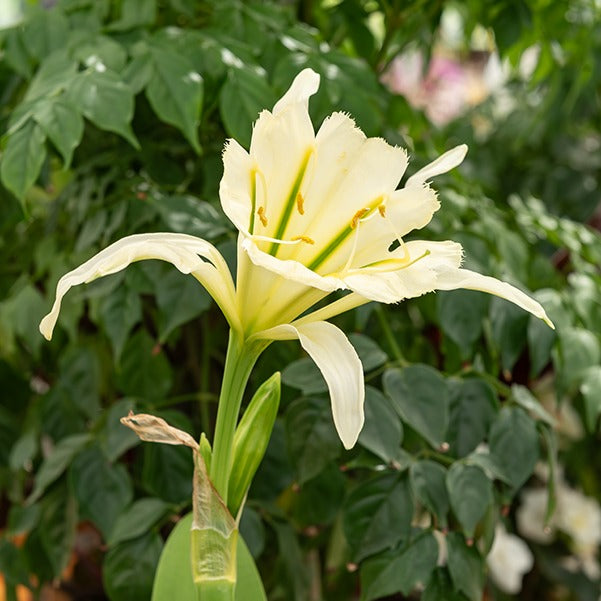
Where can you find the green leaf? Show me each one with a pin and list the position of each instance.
(579, 350)
(81, 379)
(378, 514)
(304, 375)
(63, 125)
(56, 463)
(525, 399)
(319, 500)
(514, 444)
(382, 432)
(591, 393)
(135, 13)
(173, 578)
(465, 566)
(188, 215)
(103, 490)
(251, 439)
(473, 406)
(312, 439)
(460, 314)
(144, 369)
(440, 588)
(243, 96)
(137, 519)
(175, 92)
(115, 438)
(509, 327)
(400, 571)
(371, 355)
(420, 396)
(470, 494)
(180, 298)
(128, 569)
(105, 100)
(138, 72)
(45, 32)
(429, 486)
(54, 75)
(23, 158)
(119, 312)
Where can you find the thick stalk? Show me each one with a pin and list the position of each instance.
(239, 362)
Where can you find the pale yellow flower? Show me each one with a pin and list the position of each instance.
(316, 213)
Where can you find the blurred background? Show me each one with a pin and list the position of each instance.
(113, 115)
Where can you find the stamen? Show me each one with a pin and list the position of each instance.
(303, 239)
(261, 214)
(357, 217)
(349, 261)
(382, 210)
(300, 203)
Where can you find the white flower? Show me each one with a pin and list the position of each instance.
(579, 517)
(509, 559)
(530, 516)
(315, 213)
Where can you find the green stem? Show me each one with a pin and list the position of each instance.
(217, 590)
(239, 362)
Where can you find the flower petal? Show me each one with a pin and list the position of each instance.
(445, 162)
(305, 84)
(237, 185)
(463, 278)
(341, 367)
(181, 250)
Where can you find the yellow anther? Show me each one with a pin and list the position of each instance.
(300, 203)
(357, 217)
(261, 214)
(303, 239)
(382, 210)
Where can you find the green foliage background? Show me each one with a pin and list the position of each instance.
(113, 115)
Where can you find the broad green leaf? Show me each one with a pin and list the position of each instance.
(304, 375)
(473, 406)
(57, 527)
(420, 396)
(128, 568)
(312, 439)
(138, 72)
(525, 399)
(440, 588)
(54, 75)
(175, 92)
(56, 463)
(173, 578)
(382, 432)
(509, 327)
(103, 490)
(591, 393)
(465, 566)
(429, 486)
(101, 50)
(63, 126)
(105, 100)
(13, 565)
(15, 52)
(470, 494)
(251, 439)
(115, 438)
(399, 571)
(252, 531)
(460, 313)
(243, 96)
(298, 580)
(23, 158)
(371, 355)
(45, 32)
(579, 350)
(135, 13)
(514, 444)
(120, 311)
(137, 519)
(180, 298)
(378, 514)
(319, 500)
(189, 215)
(144, 369)
(81, 379)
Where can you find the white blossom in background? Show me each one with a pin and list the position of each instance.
(509, 559)
(530, 516)
(11, 12)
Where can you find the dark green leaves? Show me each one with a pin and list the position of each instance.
(421, 397)
(23, 158)
(466, 567)
(428, 481)
(378, 514)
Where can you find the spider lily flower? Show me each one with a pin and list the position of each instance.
(316, 213)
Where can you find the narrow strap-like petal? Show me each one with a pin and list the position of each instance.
(183, 251)
(463, 278)
(447, 161)
(341, 367)
(305, 84)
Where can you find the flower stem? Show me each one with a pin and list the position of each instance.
(239, 362)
